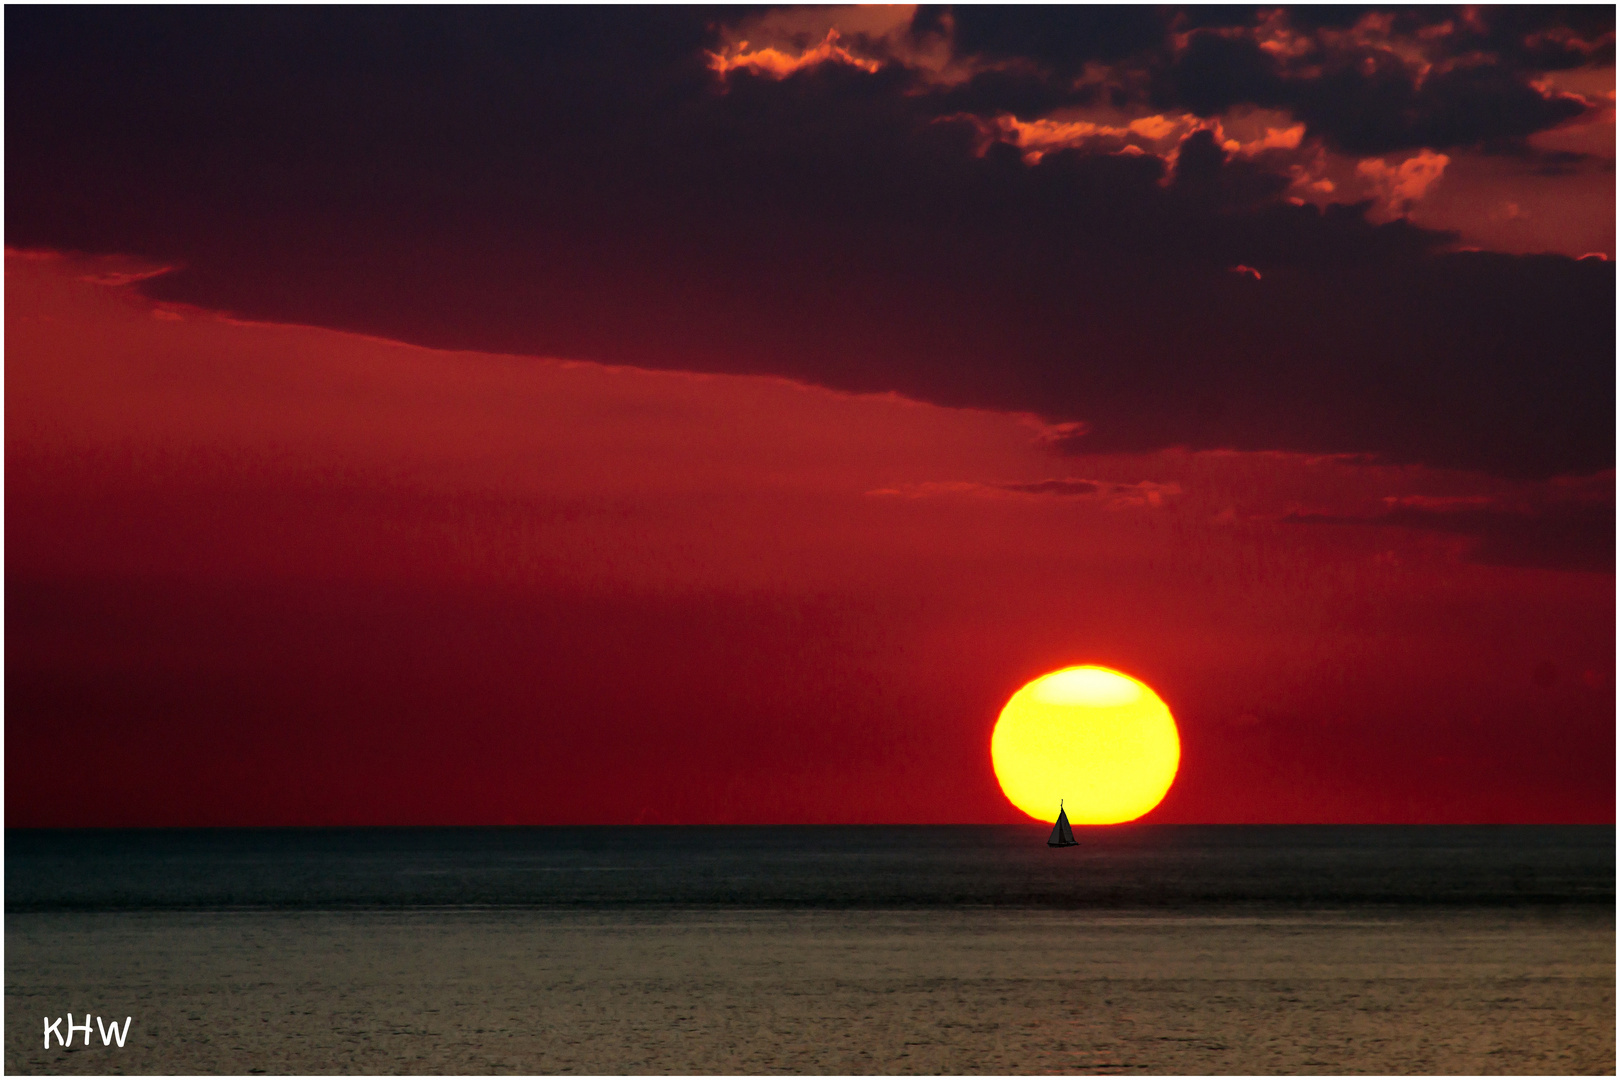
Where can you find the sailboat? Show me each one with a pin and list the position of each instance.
(1062, 835)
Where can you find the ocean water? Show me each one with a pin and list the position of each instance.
(931, 950)
(808, 866)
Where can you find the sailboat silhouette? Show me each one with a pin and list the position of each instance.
(1062, 835)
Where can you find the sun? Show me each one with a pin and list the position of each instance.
(1100, 741)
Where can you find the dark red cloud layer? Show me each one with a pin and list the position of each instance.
(1573, 530)
(260, 574)
(588, 184)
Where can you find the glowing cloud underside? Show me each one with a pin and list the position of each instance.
(1100, 741)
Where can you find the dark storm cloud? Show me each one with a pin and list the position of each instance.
(1362, 99)
(1068, 488)
(581, 183)
(1539, 36)
(1547, 162)
(1576, 536)
(1060, 38)
(1549, 37)
(1356, 90)
(1569, 538)
(1215, 72)
(1022, 93)
(1375, 105)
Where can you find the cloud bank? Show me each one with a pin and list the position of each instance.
(1035, 210)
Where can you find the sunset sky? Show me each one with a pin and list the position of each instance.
(538, 416)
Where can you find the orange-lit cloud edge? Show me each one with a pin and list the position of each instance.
(1485, 204)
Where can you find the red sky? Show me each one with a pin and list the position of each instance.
(270, 574)
(447, 416)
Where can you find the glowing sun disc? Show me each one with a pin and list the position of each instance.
(1101, 741)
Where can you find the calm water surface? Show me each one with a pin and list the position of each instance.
(940, 950)
(812, 867)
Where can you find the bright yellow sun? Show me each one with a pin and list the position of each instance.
(1100, 741)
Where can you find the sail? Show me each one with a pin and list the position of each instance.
(1062, 835)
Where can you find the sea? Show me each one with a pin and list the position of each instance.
(806, 866)
(941, 950)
